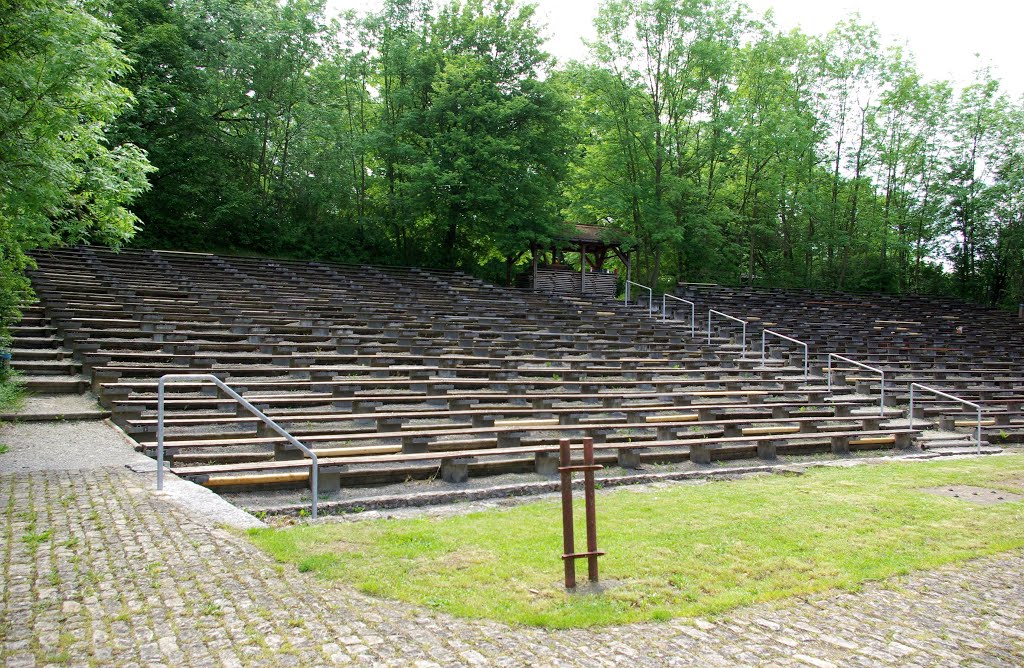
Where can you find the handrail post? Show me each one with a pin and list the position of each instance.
(764, 334)
(971, 404)
(912, 405)
(160, 434)
(693, 311)
(650, 296)
(743, 350)
(170, 378)
(979, 430)
(880, 372)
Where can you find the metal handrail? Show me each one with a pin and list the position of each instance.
(765, 332)
(183, 378)
(726, 315)
(693, 311)
(948, 396)
(881, 402)
(650, 296)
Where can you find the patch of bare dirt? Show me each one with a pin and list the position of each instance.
(982, 495)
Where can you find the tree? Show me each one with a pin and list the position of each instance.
(60, 179)
(470, 140)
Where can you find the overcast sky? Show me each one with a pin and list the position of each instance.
(945, 36)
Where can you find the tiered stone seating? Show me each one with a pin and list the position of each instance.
(968, 351)
(392, 374)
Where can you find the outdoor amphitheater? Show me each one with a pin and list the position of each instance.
(302, 390)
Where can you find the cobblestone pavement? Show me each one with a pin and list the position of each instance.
(98, 571)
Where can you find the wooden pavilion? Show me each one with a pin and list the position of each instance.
(594, 244)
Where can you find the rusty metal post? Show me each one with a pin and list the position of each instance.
(568, 542)
(588, 496)
(566, 468)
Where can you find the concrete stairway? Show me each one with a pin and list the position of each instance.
(52, 378)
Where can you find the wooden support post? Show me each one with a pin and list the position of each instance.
(629, 273)
(591, 508)
(566, 469)
(583, 269)
(533, 268)
(568, 543)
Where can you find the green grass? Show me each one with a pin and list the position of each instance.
(12, 392)
(682, 551)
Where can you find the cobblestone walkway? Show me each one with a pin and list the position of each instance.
(98, 571)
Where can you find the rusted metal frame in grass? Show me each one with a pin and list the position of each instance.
(726, 315)
(765, 332)
(566, 468)
(693, 312)
(205, 377)
(650, 296)
(880, 372)
(973, 405)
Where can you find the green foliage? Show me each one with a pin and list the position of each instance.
(439, 134)
(60, 179)
(401, 136)
(733, 152)
(12, 391)
(768, 538)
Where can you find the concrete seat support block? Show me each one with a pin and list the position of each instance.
(455, 470)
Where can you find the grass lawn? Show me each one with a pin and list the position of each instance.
(677, 551)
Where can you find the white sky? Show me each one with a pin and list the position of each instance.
(944, 36)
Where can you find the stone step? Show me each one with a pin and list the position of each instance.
(46, 367)
(55, 408)
(38, 341)
(19, 331)
(35, 354)
(55, 384)
(70, 416)
(960, 448)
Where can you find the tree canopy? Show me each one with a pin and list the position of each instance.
(444, 135)
(61, 180)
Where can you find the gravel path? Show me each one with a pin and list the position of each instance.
(56, 446)
(58, 403)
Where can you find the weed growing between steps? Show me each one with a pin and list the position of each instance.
(12, 392)
(677, 551)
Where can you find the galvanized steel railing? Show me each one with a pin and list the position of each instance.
(948, 396)
(881, 402)
(650, 295)
(189, 378)
(693, 311)
(764, 334)
(726, 315)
